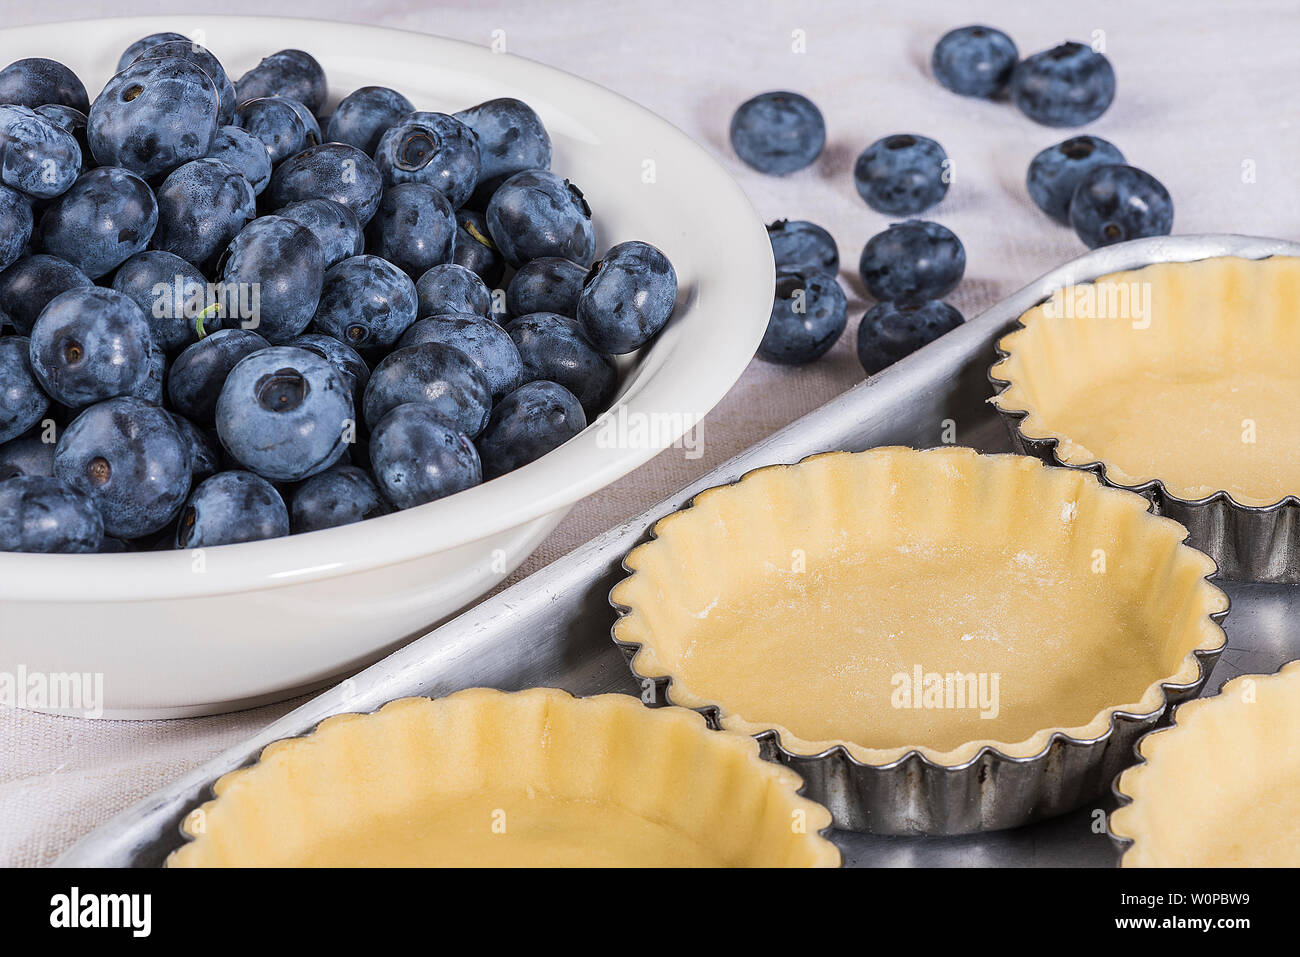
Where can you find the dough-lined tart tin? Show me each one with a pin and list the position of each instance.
(1220, 786)
(1177, 381)
(938, 641)
(491, 778)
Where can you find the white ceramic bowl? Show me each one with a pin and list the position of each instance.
(185, 633)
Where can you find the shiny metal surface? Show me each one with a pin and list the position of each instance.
(553, 628)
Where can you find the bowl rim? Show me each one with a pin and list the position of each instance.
(704, 366)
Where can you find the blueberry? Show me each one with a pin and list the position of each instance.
(536, 213)
(902, 174)
(474, 248)
(430, 373)
(107, 217)
(363, 116)
(511, 138)
(245, 153)
(22, 402)
(205, 61)
(132, 461)
(485, 343)
(346, 360)
(974, 61)
(36, 81)
(15, 225)
(28, 454)
(339, 496)
(202, 206)
(311, 126)
(366, 302)
(277, 123)
(196, 377)
(205, 460)
(232, 507)
(1056, 171)
(888, 332)
(333, 224)
(28, 285)
(151, 387)
(809, 311)
(529, 422)
(431, 148)
(330, 171)
(71, 121)
(172, 294)
(627, 297)
(285, 414)
(132, 53)
(1068, 85)
(283, 262)
(40, 514)
(153, 116)
(801, 246)
(414, 228)
(912, 261)
(451, 288)
(548, 284)
(290, 73)
(419, 456)
(37, 156)
(556, 349)
(1112, 204)
(778, 133)
(89, 344)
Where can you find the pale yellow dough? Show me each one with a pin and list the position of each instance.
(484, 778)
(796, 599)
(1221, 788)
(1198, 391)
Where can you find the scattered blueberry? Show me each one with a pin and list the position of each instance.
(339, 496)
(333, 224)
(172, 294)
(511, 139)
(536, 213)
(285, 414)
(132, 461)
(474, 248)
(1056, 171)
(418, 456)
(330, 171)
(1068, 85)
(451, 288)
(902, 174)
(974, 61)
(277, 123)
(202, 206)
(912, 261)
(89, 344)
(430, 373)
(15, 225)
(40, 514)
(245, 153)
(414, 227)
(1112, 204)
(485, 343)
(809, 311)
(232, 507)
(888, 332)
(28, 285)
(37, 156)
(22, 402)
(205, 61)
(107, 217)
(431, 148)
(366, 302)
(548, 284)
(801, 246)
(364, 115)
(36, 81)
(195, 379)
(778, 133)
(556, 349)
(290, 73)
(627, 297)
(529, 422)
(284, 263)
(346, 360)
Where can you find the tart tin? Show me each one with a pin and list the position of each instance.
(1181, 822)
(353, 791)
(1252, 543)
(920, 791)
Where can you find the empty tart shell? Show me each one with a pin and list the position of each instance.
(488, 778)
(970, 626)
(1178, 381)
(1221, 786)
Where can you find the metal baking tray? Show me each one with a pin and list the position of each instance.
(553, 628)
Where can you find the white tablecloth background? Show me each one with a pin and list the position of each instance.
(1204, 87)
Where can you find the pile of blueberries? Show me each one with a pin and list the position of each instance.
(229, 317)
(1084, 182)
